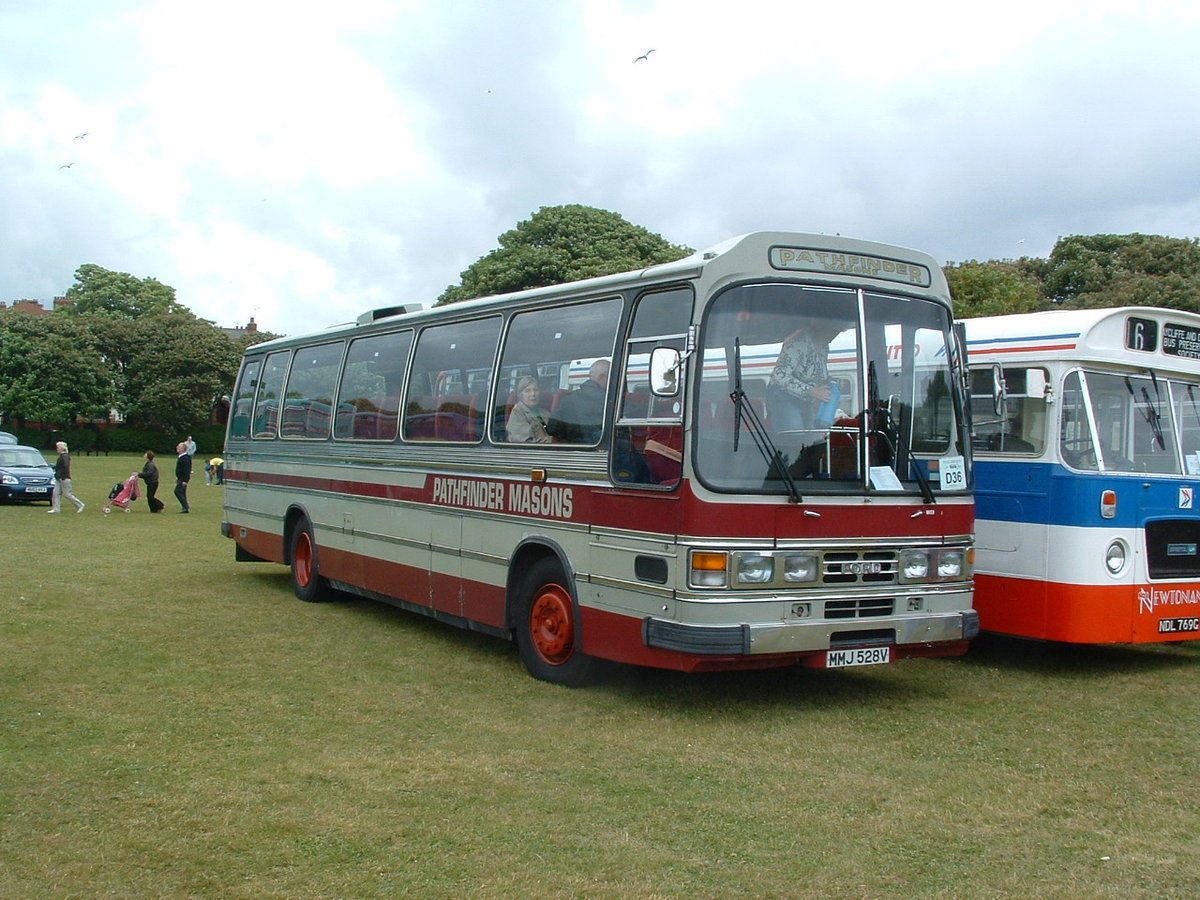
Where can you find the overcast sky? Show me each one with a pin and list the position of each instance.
(300, 162)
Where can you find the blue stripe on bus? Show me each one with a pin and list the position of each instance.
(974, 343)
(1050, 494)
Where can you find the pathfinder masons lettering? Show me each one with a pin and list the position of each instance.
(522, 499)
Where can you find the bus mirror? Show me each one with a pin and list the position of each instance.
(999, 390)
(664, 371)
(1035, 383)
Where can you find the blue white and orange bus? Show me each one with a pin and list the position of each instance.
(681, 529)
(1087, 445)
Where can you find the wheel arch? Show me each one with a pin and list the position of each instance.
(525, 555)
(294, 517)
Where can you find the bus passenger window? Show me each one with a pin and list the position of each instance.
(563, 348)
(368, 405)
(308, 399)
(243, 400)
(1021, 425)
(451, 375)
(270, 389)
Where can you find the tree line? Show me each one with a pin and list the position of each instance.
(126, 344)
(120, 343)
(1083, 271)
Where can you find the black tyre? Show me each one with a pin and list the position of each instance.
(547, 628)
(307, 581)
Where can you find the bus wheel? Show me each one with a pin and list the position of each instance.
(547, 632)
(307, 580)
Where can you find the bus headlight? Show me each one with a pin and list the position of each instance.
(755, 568)
(950, 564)
(1114, 557)
(800, 567)
(914, 565)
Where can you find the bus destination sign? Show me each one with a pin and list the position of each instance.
(807, 259)
(1141, 334)
(1181, 341)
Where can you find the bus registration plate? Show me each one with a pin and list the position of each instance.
(862, 656)
(1179, 626)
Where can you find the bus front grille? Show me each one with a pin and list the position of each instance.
(864, 608)
(860, 567)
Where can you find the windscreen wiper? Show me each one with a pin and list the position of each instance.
(1149, 410)
(745, 412)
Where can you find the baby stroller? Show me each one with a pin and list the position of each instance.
(123, 494)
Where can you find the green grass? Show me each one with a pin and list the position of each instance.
(175, 724)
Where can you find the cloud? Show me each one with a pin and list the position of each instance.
(301, 162)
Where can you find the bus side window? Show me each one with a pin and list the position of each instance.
(1021, 425)
(308, 399)
(368, 399)
(448, 362)
(556, 347)
(243, 400)
(270, 391)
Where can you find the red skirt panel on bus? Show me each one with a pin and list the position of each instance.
(1085, 613)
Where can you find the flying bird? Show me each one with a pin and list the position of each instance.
(645, 56)
(80, 137)
(67, 166)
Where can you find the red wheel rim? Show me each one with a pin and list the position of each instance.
(302, 564)
(552, 624)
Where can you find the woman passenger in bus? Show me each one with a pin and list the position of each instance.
(527, 421)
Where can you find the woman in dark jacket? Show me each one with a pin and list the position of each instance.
(149, 474)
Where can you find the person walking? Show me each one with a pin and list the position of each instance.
(149, 474)
(62, 481)
(183, 474)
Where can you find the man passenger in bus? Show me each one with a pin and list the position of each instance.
(527, 422)
(799, 382)
(580, 416)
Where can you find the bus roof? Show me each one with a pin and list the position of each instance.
(821, 258)
(1119, 334)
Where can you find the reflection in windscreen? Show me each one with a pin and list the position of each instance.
(1128, 423)
(831, 398)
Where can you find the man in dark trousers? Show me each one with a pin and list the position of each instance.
(183, 474)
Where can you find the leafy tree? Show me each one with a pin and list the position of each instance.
(51, 370)
(100, 292)
(994, 288)
(178, 369)
(1104, 270)
(560, 244)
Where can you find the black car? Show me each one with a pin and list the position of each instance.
(24, 474)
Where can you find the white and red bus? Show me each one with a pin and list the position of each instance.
(1087, 445)
(680, 526)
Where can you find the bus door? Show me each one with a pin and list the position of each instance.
(647, 446)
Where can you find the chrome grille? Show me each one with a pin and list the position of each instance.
(858, 609)
(859, 567)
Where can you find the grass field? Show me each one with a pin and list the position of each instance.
(174, 724)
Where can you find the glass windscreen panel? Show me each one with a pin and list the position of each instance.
(1113, 422)
(829, 389)
(1187, 415)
